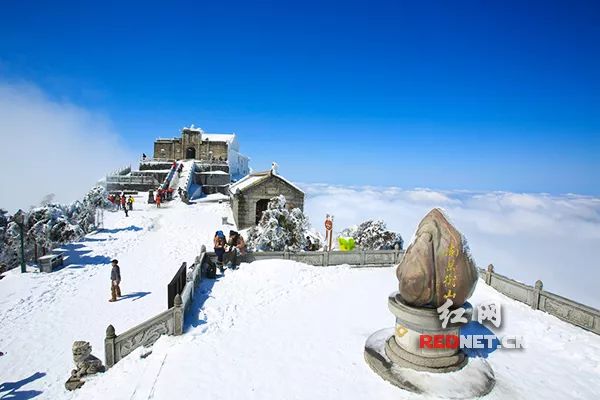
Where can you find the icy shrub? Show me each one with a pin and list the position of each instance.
(373, 235)
(278, 228)
(49, 226)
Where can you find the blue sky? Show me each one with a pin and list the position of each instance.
(448, 95)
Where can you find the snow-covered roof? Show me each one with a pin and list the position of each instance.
(192, 128)
(219, 137)
(216, 172)
(255, 178)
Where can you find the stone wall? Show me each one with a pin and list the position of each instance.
(212, 179)
(131, 183)
(177, 148)
(218, 149)
(169, 149)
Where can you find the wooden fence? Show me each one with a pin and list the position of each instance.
(176, 285)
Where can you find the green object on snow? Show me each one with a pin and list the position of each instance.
(346, 243)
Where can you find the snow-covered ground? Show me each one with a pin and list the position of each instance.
(282, 330)
(42, 314)
(270, 330)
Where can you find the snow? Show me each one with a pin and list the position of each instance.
(255, 178)
(277, 329)
(219, 137)
(42, 314)
(184, 181)
(273, 329)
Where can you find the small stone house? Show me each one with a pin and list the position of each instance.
(250, 196)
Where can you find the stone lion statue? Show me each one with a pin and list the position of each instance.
(85, 364)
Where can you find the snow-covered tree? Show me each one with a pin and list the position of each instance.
(84, 212)
(373, 235)
(50, 226)
(279, 227)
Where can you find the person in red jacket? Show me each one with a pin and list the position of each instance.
(158, 199)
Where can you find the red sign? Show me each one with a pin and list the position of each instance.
(328, 224)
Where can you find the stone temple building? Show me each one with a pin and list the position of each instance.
(195, 144)
(250, 196)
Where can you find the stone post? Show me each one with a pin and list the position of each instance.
(363, 259)
(488, 274)
(109, 347)
(326, 258)
(177, 316)
(539, 285)
(396, 253)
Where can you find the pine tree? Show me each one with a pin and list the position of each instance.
(279, 227)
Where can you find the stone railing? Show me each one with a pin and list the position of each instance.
(360, 258)
(135, 179)
(539, 299)
(124, 170)
(168, 322)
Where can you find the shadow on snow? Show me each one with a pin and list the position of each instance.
(13, 392)
(202, 293)
(131, 228)
(135, 296)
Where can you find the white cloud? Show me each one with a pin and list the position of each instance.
(526, 236)
(51, 146)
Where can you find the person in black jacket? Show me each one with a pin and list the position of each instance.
(115, 281)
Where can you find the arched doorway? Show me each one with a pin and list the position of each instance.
(261, 206)
(190, 153)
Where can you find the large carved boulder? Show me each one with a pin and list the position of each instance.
(437, 265)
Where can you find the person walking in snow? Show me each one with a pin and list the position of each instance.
(115, 281)
(158, 199)
(130, 203)
(118, 201)
(124, 202)
(219, 242)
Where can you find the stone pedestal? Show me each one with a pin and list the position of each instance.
(395, 354)
(404, 349)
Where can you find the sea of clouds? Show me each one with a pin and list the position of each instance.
(526, 236)
(51, 146)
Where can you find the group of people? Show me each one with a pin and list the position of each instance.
(229, 251)
(121, 201)
(162, 195)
